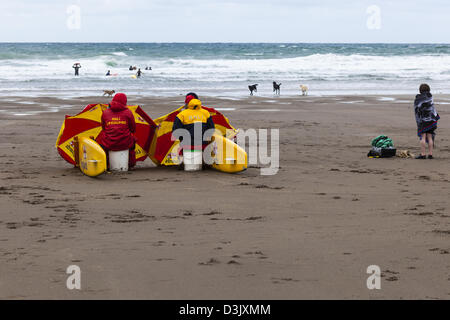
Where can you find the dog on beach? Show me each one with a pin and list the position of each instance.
(276, 87)
(304, 90)
(108, 92)
(253, 88)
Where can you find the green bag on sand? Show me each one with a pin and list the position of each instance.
(382, 147)
(382, 142)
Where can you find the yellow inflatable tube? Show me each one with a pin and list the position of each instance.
(226, 155)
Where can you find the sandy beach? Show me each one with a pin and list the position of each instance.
(308, 232)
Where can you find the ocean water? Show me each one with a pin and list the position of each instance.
(225, 70)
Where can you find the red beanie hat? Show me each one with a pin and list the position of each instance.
(119, 101)
(189, 97)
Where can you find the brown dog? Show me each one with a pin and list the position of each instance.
(108, 92)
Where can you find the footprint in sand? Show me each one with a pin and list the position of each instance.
(392, 278)
(442, 232)
(164, 259)
(281, 280)
(133, 216)
(415, 212)
(263, 186)
(13, 225)
(210, 262)
(212, 213)
(187, 213)
(258, 254)
(390, 275)
(440, 251)
(254, 218)
(159, 243)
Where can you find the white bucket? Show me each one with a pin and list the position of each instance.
(118, 160)
(193, 160)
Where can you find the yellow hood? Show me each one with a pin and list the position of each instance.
(194, 104)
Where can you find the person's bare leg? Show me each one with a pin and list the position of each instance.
(423, 144)
(430, 143)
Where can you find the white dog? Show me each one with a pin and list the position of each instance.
(304, 90)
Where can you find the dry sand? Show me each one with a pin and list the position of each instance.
(308, 232)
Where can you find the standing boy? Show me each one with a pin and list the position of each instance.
(426, 119)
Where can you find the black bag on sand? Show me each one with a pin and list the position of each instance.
(382, 152)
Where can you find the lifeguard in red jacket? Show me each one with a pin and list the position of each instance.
(118, 126)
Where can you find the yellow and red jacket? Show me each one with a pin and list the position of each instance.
(195, 120)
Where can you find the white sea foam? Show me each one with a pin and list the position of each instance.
(324, 73)
(120, 54)
(352, 102)
(262, 110)
(225, 109)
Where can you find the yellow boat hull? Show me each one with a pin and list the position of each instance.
(227, 155)
(90, 157)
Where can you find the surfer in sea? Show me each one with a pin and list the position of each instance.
(108, 73)
(76, 66)
(139, 73)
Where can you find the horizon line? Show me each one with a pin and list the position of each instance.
(213, 42)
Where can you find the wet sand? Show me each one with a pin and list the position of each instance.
(308, 232)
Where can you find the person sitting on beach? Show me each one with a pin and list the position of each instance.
(426, 119)
(118, 128)
(76, 66)
(196, 121)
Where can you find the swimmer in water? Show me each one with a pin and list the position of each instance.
(76, 66)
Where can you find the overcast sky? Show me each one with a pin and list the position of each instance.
(224, 21)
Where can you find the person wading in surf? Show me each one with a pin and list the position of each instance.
(426, 119)
(76, 66)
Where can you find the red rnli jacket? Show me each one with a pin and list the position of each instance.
(118, 127)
